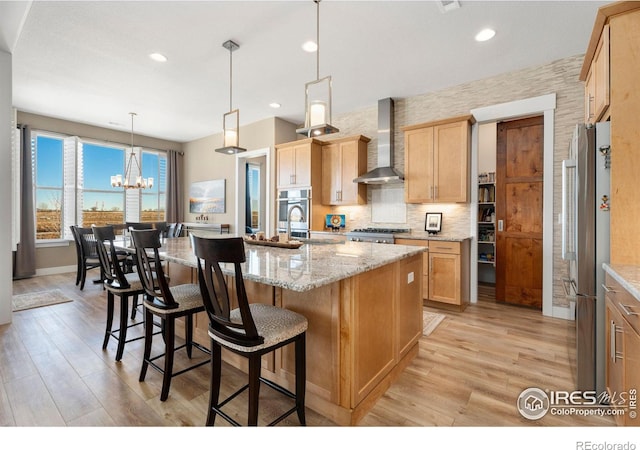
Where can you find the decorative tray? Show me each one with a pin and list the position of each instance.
(292, 244)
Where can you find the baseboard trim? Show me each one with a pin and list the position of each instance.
(55, 270)
(563, 312)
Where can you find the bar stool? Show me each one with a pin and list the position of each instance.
(86, 253)
(168, 303)
(117, 283)
(251, 330)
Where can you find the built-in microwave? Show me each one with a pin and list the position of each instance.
(297, 203)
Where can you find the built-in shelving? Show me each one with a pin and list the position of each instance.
(486, 222)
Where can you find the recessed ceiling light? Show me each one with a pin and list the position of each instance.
(275, 105)
(485, 35)
(310, 46)
(159, 57)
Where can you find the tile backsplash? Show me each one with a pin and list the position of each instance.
(455, 216)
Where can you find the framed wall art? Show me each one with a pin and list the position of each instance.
(433, 222)
(207, 197)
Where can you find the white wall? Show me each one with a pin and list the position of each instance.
(487, 142)
(6, 257)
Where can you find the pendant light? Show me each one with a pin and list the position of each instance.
(129, 175)
(317, 97)
(231, 120)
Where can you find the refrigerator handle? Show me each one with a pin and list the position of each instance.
(569, 286)
(568, 244)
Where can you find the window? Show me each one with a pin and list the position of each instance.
(47, 163)
(72, 185)
(154, 200)
(101, 204)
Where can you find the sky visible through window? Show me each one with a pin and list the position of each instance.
(99, 163)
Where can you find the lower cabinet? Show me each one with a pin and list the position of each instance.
(623, 351)
(445, 277)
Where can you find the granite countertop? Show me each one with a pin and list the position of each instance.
(302, 269)
(627, 275)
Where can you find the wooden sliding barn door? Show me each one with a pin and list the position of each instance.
(519, 194)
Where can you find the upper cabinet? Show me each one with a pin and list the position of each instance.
(295, 163)
(342, 161)
(616, 39)
(596, 85)
(436, 158)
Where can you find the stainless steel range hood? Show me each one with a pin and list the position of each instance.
(384, 173)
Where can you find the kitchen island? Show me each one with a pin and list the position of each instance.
(364, 306)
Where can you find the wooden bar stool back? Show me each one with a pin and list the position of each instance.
(168, 303)
(86, 253)
(250, 330)
(117, 283)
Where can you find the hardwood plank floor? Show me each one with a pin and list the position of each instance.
(468, 372)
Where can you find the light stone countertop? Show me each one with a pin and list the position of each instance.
(302, 269)
(627, 275)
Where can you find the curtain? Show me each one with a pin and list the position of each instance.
(24, 258)
(247, 202)
(175, 198)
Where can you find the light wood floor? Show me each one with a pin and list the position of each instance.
(469, 371)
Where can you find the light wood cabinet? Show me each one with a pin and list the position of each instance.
(622, 351)
(620, 22)
(342, 161)
(437, 161)
(294, 162)
(597, 81)
(445, 277)
(425, 262)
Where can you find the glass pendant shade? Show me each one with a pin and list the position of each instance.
(231, 133)
(317, 100)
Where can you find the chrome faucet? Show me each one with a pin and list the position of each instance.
(289, 219)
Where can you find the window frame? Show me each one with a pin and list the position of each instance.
(34, 171)
(71, 190)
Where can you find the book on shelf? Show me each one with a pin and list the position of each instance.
(486, 194)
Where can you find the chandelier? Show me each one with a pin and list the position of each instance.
(132, 170)
(231, 120)
(317, 97)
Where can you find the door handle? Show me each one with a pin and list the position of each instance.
(500, 225)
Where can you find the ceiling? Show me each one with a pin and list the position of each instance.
(87, 61)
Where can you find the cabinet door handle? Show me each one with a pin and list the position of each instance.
(613, 347)
(436, 194)
(431, 193)
(627, 310)
(608, 289)
(589, 99)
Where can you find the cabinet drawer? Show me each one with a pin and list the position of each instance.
(444, 247)
(624, 302)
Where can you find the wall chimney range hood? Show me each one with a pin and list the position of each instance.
(384, 173)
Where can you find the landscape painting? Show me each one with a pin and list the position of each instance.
(207, 197)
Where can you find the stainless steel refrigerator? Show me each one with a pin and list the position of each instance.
(585, 246)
